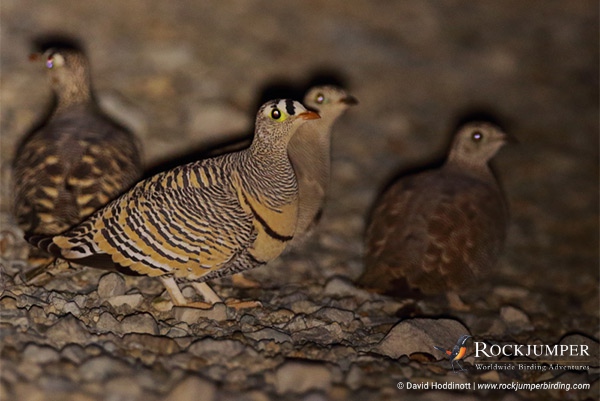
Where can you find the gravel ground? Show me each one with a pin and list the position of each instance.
(187, 75)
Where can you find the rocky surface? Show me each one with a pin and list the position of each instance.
(187, 75)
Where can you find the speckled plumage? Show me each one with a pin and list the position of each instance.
(441, 229)
(78, 161)
(203, 220)
(310, 153)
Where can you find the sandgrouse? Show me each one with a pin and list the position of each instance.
(439, 230)
(202, 220)
(310, 153)
(77, 162)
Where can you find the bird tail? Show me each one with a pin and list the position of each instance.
(44, 242)
(440, 348)
(96, 260)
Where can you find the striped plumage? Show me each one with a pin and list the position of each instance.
(440, 230)
(202, 220)
(310, 153)
(78, 161)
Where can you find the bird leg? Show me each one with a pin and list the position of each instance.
(459, 365)
(207, 293)
(178, 298)
(211, 296)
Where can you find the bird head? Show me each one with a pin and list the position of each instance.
(68, 71)
(477, 143)
(277, 120)
(330, 101)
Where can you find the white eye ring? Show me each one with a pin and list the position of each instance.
(55, 60)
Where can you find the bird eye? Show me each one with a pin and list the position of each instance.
(54, 59)
(476, 136)
(275, 114)
(320, 98)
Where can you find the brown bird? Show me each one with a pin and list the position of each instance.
(202, 220)
(439, 230)
(310, 153)
(77, 162)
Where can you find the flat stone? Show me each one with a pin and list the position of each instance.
(344, 317)
(72, 308)
(123, 388)
(300, 377)
(420, 335)
(68, 330)
(189, 315)
(340, 286)
(40, 354)
(160, 345)
(100, 368)
(515, 319)
(139, 323)
(192, 389)
(579, 343)
(75, 353)
(213, 349)
(131, 300)
(111, 285)
(107, 323)
(269, 334)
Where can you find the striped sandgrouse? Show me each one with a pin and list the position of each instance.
(439, 230)
(74, 164)
(310, 153)
(202, 220)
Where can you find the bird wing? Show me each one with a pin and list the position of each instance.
(393, 237)
(105, 170)
(42, 203)
(177, 222)
(464, 233)
(69, 169)
(432, 232)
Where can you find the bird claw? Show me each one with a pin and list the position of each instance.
(241, 281)
(239, 304)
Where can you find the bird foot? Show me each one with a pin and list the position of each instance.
(198, 305)
(241, 281)
(239, 304)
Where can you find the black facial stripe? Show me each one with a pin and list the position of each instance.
(289, 107)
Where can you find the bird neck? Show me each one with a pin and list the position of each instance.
(473, 168)
(75, 93)
(270, 171)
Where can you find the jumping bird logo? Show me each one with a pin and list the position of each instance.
(457, 353)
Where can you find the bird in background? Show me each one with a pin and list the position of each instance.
(310, 153)
(440, 230)
(76, 162)
(457, 353)
(202, 220)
